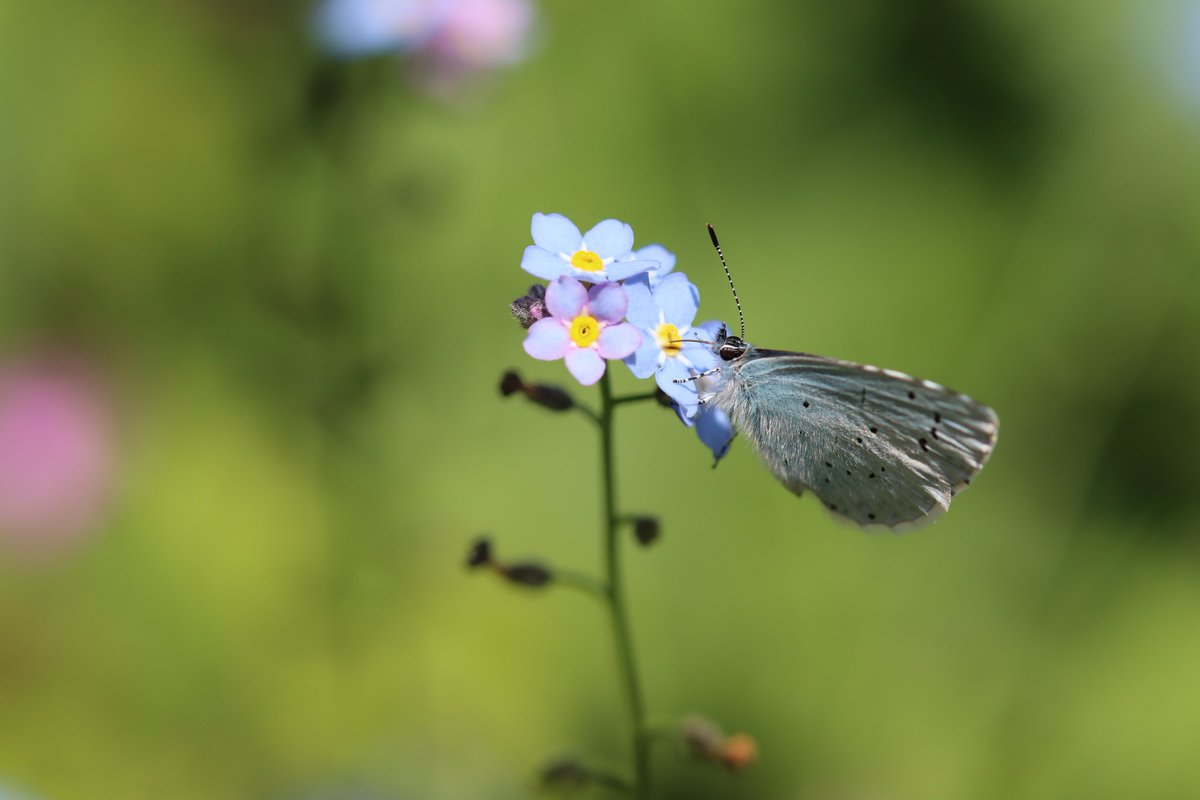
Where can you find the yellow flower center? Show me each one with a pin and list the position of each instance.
(587, 261)
(667, 336)
(585, 330)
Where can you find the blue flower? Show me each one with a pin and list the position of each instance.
(664, 316)
(363, 27)
(712, 426)
(584, 328)
(711, 423)
(665, 259)
(599, 255)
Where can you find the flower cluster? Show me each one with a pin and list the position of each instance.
(449, 39)
(606, 301)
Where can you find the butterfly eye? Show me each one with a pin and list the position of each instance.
(732, 347)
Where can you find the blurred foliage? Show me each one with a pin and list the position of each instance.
(296, 273)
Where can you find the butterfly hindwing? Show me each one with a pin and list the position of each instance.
(878, 447)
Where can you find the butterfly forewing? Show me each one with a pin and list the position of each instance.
(877, 447)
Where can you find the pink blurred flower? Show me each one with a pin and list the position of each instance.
(480, 34)
(56, 452)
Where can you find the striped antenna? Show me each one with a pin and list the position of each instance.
(712, 234)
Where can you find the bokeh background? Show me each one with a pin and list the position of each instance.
(253, 312)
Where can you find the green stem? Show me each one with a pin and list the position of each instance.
(616, 599)
(661, 729)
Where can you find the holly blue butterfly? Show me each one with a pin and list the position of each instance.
(877, 447)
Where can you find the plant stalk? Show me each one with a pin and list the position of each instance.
(626, 664)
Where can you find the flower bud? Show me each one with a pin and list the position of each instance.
(708, 742)
(740, 751)
(511, 383)
(480, 553)
(646, 530)
(531, 307)
(527, 574)
(551, 397)
(544, 395)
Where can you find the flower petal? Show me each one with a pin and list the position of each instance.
(354, 28)
(644, 361)
(565, 298)
(674, 296)
(585, 364)
(620, 270)
(609, 239)
(655, 252)
(710, 328)
(607, 302)
(618, 341)
(701, 355)
(547, 340)
(555, 233)
(714, 429)
(686, 420)
(684, 394)
(641, 311)
(544, 264)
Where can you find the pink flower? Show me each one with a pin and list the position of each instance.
(584, 328)
(56, 452)
(470, 38)
(478, 34)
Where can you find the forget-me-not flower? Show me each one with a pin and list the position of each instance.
(712, 424)
(665, 259)
(599, 255)
(664, 316)
(362, 27)
(584, 328)
(480, 34)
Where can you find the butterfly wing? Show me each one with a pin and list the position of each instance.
(878, 447)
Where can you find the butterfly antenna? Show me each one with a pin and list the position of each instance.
(712, 234)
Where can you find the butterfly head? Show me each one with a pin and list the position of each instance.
(729, 347)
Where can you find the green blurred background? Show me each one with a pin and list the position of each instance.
(294, 276)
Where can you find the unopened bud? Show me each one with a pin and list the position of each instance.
(511, 383)
(708, 742)
(527, 574)
(646, 530)
(740, 751)
(480, 553)
(530, 307)
(551, 397)
(544, 395)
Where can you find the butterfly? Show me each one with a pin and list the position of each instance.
(877, 447)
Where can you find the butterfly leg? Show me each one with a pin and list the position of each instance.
(698, 376)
